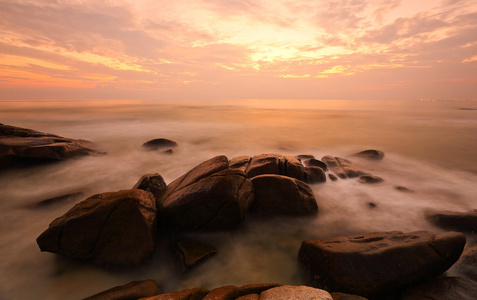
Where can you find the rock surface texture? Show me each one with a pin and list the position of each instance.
(115, 229)
(380, 262)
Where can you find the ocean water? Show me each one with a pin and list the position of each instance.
(430, 148)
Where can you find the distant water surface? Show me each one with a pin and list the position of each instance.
(429, 147)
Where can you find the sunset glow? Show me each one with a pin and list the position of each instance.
(238, 49)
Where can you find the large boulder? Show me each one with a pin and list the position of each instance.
(444, 288)
(115, 229)
(275, 164)
(282, 195)
(132, 290)
(459, 221)
(287, 292)
(209, 197)
(380, 262)
(22, 146)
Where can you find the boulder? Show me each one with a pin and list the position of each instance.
(275, 164)
(191, 253)
(240, 162)
(158, 144)
(371, 154)
(153, 183)
(459, 221)
(381, 262)
(334, 166)
(228, 292)
(282, 195)
(444, 288)
(286, 292)
(316, 163)
(349, 169)
(467, 263)
(23, 147)
(209, 197)
(370, 179)
(115, 229)
(132, 290)
(314, 175)
(189, 294)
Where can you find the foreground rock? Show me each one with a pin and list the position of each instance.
(467, 263)
(209, 197)
(189, 294)
(380, 262)
(158, 144)
(282, 195)
(459, 221)
(191, 253)
(445, 288)
(132, 290)
(23, 147)
(115, 229)
(287, 292)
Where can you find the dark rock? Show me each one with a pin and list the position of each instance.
(287, 292)
(209, 197)
(349, 169)
(334, 166)
(371, 154)
(459, 221)
(114, 229)
(157, 144)
(444, 288)
(403, 189)
(228, 292)
(190, 254)
(467, 263)
(332, 177)
(314, 175)
(153, 183)
(255, 288)
(240, 162)
(316, 163)
(372, 204)
(343, 296)
(189, 294)
(24, 147)
(370, 179)
(380, 262)
(303, 157)
(71, 197)
(282, 195)
(133, 290)
(275, 164)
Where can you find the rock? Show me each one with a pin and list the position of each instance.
(371, 204)
(209, 197)
(24, 147)
(189, 294)
(282, 195)
(228, 292)
(332, 177)
(249, 297)
(403, 189)
(371, 154)
(334, 166)
(153, 183)
(350, 170)
(157, 144)
(303, 157)
(275, 164)
(370, 179)
(343, 296)
(379, 262)
(115, 229)
(168, 151)
(467, 263)
(316, 163)
(240, 162)
(287, 292)
(133, 290)
(190, 254)
(444, 288)
(459, 221)
(255, 288)
(314, 175)
(59, 200)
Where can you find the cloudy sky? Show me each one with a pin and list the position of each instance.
(221, 49)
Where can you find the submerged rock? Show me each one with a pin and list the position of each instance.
(209, 197)
(379, 262)
(371, 154)
(190, 254)
(132, 290)
(444, 288)
(158, 144)
(115, 229)
(459, 221)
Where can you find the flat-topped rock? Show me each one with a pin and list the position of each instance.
(380, 262)
(459, 221)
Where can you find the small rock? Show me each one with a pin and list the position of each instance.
(332, 177)
(460, 221)
(287, 292)
(314, 175)
(159, 144)
(371, 154)
(168, 151)
(190, 254)
(372, 204)
(334, 166)
(132, 290)
(403, 189)
(444, 288)
(349, 169)
(370, 179)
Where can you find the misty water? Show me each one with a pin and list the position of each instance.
(430, 149)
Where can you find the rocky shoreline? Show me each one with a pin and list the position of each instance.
(121, 229)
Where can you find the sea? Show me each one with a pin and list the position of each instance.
(430, 149)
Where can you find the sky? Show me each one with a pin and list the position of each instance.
(238, 49)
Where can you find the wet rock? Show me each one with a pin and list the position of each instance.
(467, 263)
(158, 144)
(132, 290)
(191, 253)
(115, 229)
(153, 183)
(343, 296)
(189, 294)
(459, 221)
(282, 195)
(332, 177)
(349, 169)
(379, 262)
(334, 166)
(287, 292)
(316, 163)
(444, 288)
(240, 162)
(24, 147)
(228, 292)
(314, 175)
(255, 288)
(209, 197)
(275, 164)
(371, 154)
(370, 179)
(71, 197)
